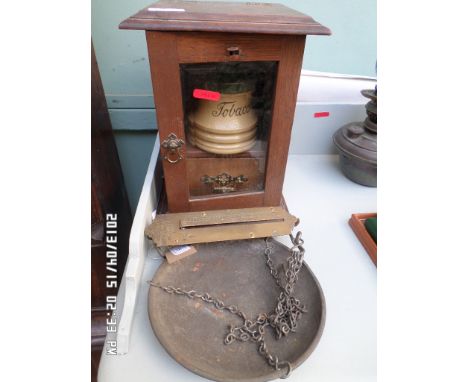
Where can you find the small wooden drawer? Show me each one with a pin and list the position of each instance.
(219, 47)
(253, 169)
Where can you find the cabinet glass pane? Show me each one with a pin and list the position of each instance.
(227, 117)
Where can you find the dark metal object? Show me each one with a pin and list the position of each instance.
(357, 145)
(234, 272)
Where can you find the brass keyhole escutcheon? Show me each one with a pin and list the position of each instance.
(173, 144)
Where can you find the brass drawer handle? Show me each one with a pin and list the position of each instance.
(224, 183)
(173, 144)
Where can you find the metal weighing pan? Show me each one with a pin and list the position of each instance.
(193, 332)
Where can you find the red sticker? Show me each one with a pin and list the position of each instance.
(321, 114)
(206, 94)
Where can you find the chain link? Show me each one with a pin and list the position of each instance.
(283, 319)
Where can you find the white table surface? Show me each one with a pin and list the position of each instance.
(315, 191)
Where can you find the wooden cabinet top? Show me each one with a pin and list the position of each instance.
(210, 16)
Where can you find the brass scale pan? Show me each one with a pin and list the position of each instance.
(192, 332)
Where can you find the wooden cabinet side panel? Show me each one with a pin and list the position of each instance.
(165, 77)
(287, 83)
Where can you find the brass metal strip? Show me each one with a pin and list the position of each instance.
(220, 225)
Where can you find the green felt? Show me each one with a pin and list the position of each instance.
(371, 227)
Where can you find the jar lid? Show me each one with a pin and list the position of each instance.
(357, 140)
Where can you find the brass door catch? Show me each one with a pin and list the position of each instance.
(173, 144)
(224, 183)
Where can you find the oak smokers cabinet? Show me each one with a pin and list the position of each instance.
(225, 79)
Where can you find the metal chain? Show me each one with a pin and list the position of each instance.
(283, 319)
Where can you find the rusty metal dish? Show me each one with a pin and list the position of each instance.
(192, 332)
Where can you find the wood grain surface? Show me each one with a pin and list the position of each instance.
(224, 16)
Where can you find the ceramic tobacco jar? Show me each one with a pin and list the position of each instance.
(226, 126)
